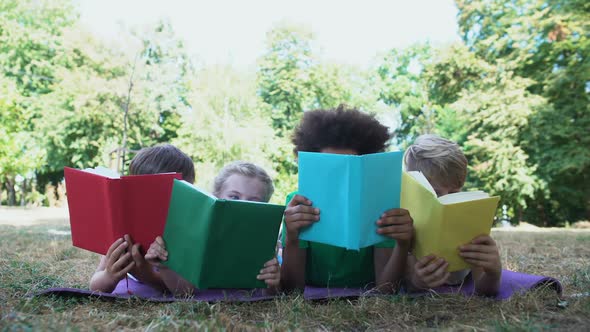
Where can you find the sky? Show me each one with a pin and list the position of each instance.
(234, 32)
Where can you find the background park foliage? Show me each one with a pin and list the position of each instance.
(514, 93)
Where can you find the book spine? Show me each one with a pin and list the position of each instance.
(115, 206)
(354, 204)
(215, 235)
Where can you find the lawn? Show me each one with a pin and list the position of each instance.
(40, 255)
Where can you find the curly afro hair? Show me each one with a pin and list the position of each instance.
(340, 128)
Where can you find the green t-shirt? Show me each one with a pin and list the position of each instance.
(330, 266)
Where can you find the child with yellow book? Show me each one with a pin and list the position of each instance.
(442, 163)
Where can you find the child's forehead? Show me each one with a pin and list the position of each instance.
(241, 180)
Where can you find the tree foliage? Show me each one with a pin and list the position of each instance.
(514, 94)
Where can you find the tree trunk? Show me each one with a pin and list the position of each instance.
(23, 194)
(10, 191)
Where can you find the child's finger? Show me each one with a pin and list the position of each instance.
(116, 254)
(160, 242)
(395, 213)
(475, 255)
(114, 246)
(476, 248)
(433, 266)
(396, 229)
(127, 238)
(271, 262)
(163, 254)
(124, 271)
(122, 262)
(406, 220)
(271, 269)
(441, 281)
(136, 254)
(483, 239)
(298, 199)
(302, 209)
(424, 261)
(266, 276)
(436, 276)
(301, 217)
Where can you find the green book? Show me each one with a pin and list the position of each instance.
(218, 243)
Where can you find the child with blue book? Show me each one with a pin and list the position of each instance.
(342, 131)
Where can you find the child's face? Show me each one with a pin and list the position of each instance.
(442, 190)
(243, 188)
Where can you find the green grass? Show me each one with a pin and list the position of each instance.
(32, 259)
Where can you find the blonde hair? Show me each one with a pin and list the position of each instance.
(245, 169)
(439, 159)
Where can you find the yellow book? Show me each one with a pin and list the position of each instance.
(444, 223)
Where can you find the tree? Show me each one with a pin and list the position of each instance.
(284, 75)
(226, 121)
(29, 50)
(402, 87)
(548, 43)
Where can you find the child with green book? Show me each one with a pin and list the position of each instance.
(123, 255)
(236, 181)
(342, 131)
(444, 165)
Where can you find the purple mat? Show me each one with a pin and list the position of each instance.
(145, 292)
(511, 283)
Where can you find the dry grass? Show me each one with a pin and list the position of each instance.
(32, 258)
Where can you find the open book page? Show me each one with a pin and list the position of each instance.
(450, 198)
(418, 176)
(103, 171)
(464, 196)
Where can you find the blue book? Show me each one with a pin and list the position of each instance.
(352, 192)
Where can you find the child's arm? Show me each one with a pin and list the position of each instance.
(390, 263)
(176, 284)
(482, 253)
(298, 214)
(112, 268)
(271, 274)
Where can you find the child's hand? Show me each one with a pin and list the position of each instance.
(142, 269)
(271, 273)
(299, 214)
(157, 253)
(430, 272)
(397, 224)
(482, 252)
(118, 261)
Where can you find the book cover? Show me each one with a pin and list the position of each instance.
(105, 208)
(444, 223)
(352, 192)
(217, 243)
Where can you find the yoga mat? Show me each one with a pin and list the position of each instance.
(145, 292)
(511, 283)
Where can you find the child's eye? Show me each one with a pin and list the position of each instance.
(234, 197)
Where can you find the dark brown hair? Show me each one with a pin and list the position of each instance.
(163, 158)
(340, 128)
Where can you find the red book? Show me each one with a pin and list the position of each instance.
(104, 209)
